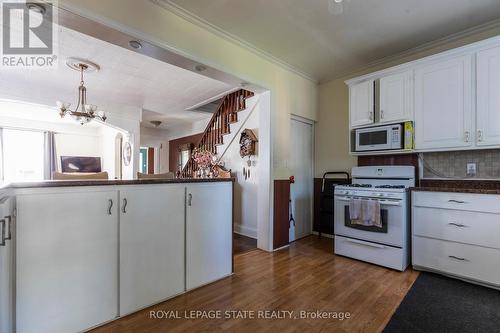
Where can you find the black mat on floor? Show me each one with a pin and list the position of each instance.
(439, 304)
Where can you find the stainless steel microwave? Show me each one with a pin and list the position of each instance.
(390, 137)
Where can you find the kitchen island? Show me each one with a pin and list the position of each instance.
(88, 252)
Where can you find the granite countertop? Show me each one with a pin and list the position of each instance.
(66, 183)
(459, 186)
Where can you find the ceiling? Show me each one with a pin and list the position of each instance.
(127, 80)
(306, 36)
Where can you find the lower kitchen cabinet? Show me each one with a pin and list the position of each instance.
(67, 260)
(457, 234)
(209, 238)
(7, 238)
(88, 255)
(151, 245)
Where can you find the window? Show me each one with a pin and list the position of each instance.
(22, 155)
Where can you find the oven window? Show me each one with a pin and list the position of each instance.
(383, 216)
(373, 138)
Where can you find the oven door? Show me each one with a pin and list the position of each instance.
(394, 222)
(368, 139)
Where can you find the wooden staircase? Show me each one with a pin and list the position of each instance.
(218, 126)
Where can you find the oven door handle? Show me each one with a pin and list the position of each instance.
(358, 242)
(382, 202)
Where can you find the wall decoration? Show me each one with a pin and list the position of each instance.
(248, 148)
(248, 141)
(127, 153)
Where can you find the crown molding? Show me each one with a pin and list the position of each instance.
(401, 56)
(202, 23)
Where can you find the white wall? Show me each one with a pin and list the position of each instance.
(246, 204)
(75, 144)
(157, 138)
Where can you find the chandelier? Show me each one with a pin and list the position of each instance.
(84, 112)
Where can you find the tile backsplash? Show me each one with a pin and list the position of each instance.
(453, 164)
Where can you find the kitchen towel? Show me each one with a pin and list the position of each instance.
(354, 209)
(365, 212)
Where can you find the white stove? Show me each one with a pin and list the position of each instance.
(387, 245)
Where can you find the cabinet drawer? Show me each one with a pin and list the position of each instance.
(382, 255)
(459, 226)
(458, 201)
(468, 261)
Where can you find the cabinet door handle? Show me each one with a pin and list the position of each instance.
(479, 135)
(110, 206)
(370, 114)
(467, 136)
(458, 258)
(381, 114)
(456, 201)
(457, 224)
(2, 236)
(9, 225)
(124, 208)
(190, 198)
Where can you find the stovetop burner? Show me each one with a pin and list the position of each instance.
(360, 185)
(390, 186)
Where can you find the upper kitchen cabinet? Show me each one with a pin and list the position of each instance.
(395, 97)
(488, 97)
(443, 104)
(361, 103)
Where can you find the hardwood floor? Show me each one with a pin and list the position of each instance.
(306, 276)
(242, 244)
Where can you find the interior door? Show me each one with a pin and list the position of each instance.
(151, 245)
(66, 260)
(488, 97)
(301, 166)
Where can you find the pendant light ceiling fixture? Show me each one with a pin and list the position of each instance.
(337, 7)
(83, 112)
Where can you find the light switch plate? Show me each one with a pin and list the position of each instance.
(471, 169)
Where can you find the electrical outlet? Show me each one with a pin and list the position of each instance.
(471, 169)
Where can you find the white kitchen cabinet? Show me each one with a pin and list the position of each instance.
(67, 260)
(361, 103)
(7, 238)
(395, 97)
(443, 104)
(151, 245)
(488, 97)
(457, 234)
(208, 233)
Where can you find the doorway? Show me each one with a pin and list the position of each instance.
(301, 166)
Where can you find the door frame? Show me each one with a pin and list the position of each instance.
(313, 164)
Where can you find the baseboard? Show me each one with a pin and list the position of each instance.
(245, 231)
(323, 234)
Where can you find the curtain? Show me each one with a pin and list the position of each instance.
(49, 155)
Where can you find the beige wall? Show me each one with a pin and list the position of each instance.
(332, 129)
(332, 134)
(290, 92)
